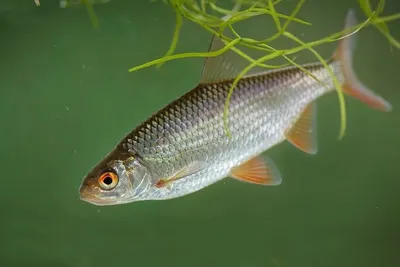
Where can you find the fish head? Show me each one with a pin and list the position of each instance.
(115, 180)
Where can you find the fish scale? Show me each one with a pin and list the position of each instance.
(184, 147)
(255, 122)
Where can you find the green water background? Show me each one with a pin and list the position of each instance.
(67, 98)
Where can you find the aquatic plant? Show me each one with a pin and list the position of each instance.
(217, 20)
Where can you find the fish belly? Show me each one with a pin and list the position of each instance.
(259, 114)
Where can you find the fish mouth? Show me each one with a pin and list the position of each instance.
(97, 201)
(88, 197)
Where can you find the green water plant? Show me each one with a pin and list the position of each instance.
(218, 21)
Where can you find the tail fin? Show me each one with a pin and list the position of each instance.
(352, 86)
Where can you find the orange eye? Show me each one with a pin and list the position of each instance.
(108, 180)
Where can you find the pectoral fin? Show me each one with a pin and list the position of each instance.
(258, 170)
(190, 169)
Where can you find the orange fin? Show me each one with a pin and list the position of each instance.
(352, 86)
(303, 133)
(163, 183)
(258, 170)
(192, 168)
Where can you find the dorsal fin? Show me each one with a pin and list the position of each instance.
(226, 66)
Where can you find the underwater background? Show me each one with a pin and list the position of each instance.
(67, 98)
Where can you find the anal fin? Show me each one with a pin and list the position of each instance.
(303, 133)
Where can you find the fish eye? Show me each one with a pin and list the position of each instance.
(108, 180)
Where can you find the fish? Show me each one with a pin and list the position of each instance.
(74, 3)
(184, 148)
